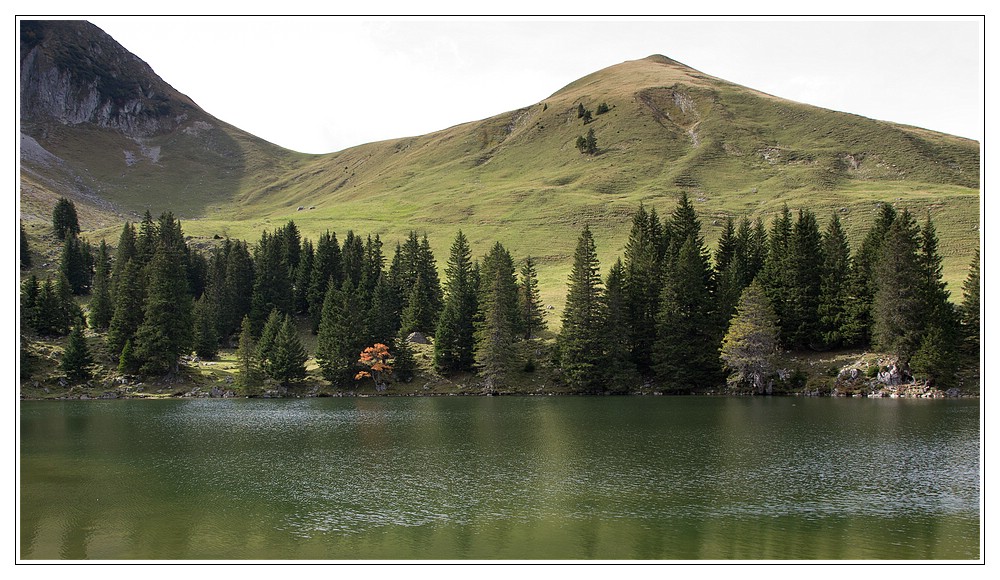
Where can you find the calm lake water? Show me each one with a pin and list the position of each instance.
(514, 478)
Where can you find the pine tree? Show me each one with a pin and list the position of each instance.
(76, 360)
(685, 353)
(454, 342)
(936, 357)
(64, 219)
(235, 296)
(834, 288)
(146, 239)
(581, 346)
(496, 329)
(382, 320)
(124, 252)
(25, 250)
(897, 309)
(101, 307)
(751, 343)
(530, 301)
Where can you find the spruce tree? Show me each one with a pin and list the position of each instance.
(857, 331)
(128, 308)
(64, 219)
(73, 263)
(126, 360)
(165, 333)
(124, 252)
(454, 342)
(326, 267)
(751, 343)
(382, 321)
(935, 358)
(25, 250)
(287, 364)
(302, 278)
(496, 329)
(834, 288)
(101, 307)
(76, 360)
(236, 295)
(685, 355)
(246, 358)
(773, 273)
(206, 338)
(969, 315)
(620, 369)
(897, 308)
(800, 325)
(581, 346)
(29, 298)
(267, 341)
(272, 287)
(341, 332)
(404, 366)
(641, 285)
(530, 301)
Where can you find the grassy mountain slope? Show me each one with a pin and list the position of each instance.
(518, 177)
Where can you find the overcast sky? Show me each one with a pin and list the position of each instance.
(322, 84)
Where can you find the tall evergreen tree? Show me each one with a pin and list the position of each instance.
(146, 239)
(272, 287)
(74, 264)
(302, 278)
(969, 313)
(236, 295)
(383, 318)
(30, 290)
(685, 355)
(76, 360)
(619, 369)
(751, 343)
(800, 324)
(326, 267)
(454, 342)
(404, 366)
(128, 308)
(862, 282)
(267, 341)
(581, 346)
(773, 272)
(165, 333)
(897, 309)
(530, 300)
(205, 335)
(101, 307)
(834, 275)
(287, 363)
(341, 332)
(64, 219)
(246, 357)
(936, 357)
(641, 285)
(496, 330)
(25, 250)
(124, 251)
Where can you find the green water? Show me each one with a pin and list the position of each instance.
(519, 478)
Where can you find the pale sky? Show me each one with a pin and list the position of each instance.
(322, 84)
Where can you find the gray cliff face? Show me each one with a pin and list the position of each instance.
(73, 73)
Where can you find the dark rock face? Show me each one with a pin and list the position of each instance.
(72, 73)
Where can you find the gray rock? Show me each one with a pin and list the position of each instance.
(417, 338)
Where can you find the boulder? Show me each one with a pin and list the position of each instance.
(417, 338)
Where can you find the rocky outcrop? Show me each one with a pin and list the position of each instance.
(73, 73)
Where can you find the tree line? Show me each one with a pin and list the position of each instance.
(669, 312)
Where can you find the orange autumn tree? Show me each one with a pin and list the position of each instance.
(379, 364)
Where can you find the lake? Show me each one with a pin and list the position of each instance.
(510, 478)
